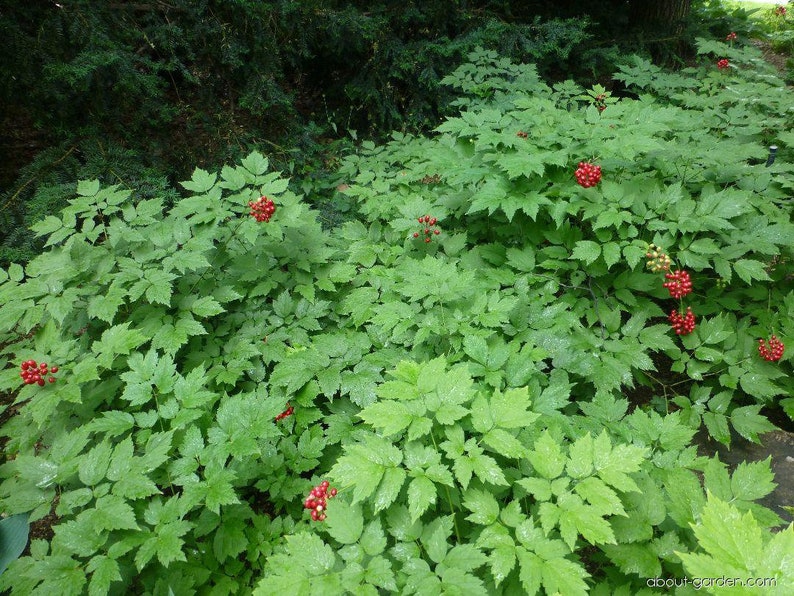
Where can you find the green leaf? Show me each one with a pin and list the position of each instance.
(94, 464)
(14, 532)
(521, 260)
(345, 521)
(752, 481)
(577, 517)
(749, 423)
(466, 557)
(104, 571)
(586, 251)
(547, 457)
(48, 225)
(502, 560)
(600, 496)
(219, 490)
(389, 417)
(611, 251)
(511, 408)
(634, 558)
(657, 337)
(255, 163)
(735, 545)
(502, 442)
(201, 181)
(759, 385)
(421, 494)
(580, 457)
(206, 306)
(373, 540)
(482, 504)
(87, 188)
(116, 340)
(113, 513)
(435, 538)
(388, 489)
(749, 270)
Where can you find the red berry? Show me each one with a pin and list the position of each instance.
(333, 492)
(773, 352)
(51, 379)
(416, 234)
(40, 382)
(427, 239)
(679, 284)
(436, 232)
(54, 369)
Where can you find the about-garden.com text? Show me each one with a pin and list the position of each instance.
(712, 582)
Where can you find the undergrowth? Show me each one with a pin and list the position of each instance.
(454, 359)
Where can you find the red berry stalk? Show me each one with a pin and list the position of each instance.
(588, 174)
(262, 209)
(285, 413)
(682, 324)
(679, 284)
(317, 500)
(33, 373)
(429, 227)
(772, 352)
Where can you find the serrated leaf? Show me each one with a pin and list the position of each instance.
(511, 408)
(466, 557)
(749, 423)
(484, 508)
(389, 417)
(759, 385)
(485, 468)
(388, 489)
(752, 481)
(94, 464)
(206, 306)
(547, 457)
(749, 270)
(502, 442)
(421, 494)
(580, 457)
(586, 251)
(201, 181)
(48, 225)
(345, 522)
(88, 188)
(502, 560)
(104, 571)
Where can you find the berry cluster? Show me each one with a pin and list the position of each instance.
(317, 500)
(600, 102)
(657, 260)
(679, 284)
(731, 36)
(682, 325)
(722, 64)
(31, 372)
(285, 413)
(774, 351)
(262, 209)
(587, 174)
(521, 134)
(780, 11)
(429, 227)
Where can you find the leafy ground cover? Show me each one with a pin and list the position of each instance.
(431, 397)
